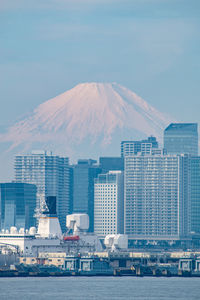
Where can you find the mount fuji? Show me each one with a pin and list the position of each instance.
(89, 120)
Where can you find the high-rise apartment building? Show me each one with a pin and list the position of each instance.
(181, 138)
(155, 197)
(134, 147)
(109, 203)
(50, 174)
(84, 173)
(194, 187)
(17, 205)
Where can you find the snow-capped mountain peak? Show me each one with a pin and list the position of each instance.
(89, 119)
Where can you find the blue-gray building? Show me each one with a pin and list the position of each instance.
(111, 163)
(17, 205)
(51, 174)
(181, 138)
(194, 209)
(84, 173)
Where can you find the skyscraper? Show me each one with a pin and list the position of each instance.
(50, 174)
(155, 201)
(135, 147)
(181, 138)
(17, 205)
(111, 163)
(109, 203)
(194, 166)
(84, 173)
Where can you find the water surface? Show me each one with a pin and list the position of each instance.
(91, 288)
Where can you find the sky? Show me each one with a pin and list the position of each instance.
(150, 46)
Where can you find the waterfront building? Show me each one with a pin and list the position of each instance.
(134, 147)
(84, 173)
(111, 163)
(181, 138)
(17, 205)
(194, 166)
(50, 173)
(109, 203)
(156, 197)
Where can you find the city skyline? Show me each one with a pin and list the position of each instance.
(99, 149)
(49, 48)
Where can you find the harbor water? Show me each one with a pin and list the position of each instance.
(91, 288)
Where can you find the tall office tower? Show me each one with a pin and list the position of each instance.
(181, 138)
(50, 174)
(109, 203)
(194, 209)
(156, 197)
(84, 173)
(17, 205)
(111, 163)
(135, 147)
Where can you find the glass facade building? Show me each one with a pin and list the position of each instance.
(17, 205)
(109, 203)
(51, 175)
(181, 138)
(84, 173)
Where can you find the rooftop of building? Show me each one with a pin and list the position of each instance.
(185, 126)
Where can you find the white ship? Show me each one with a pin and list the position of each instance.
(49, 238)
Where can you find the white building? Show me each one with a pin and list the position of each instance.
(155, 202)
(50, 174)
(108, 203)
(134, 147)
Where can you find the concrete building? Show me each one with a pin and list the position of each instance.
(181, 138)
(17, 205)
(109, 203)
(156, 197)
(194, 184)
(84, 173)
(50, 174)
(135, 147)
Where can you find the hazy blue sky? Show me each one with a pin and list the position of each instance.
(150, 46)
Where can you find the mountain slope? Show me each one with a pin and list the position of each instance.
(90, 119)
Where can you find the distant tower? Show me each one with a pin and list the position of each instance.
(17, 205)
(84, 173)
(109, 203)
(111, 163)
(135, 147)
(181, 138)
(50, 174)
(156, 197)
(194, 209)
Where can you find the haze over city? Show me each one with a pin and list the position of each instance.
(150, 47)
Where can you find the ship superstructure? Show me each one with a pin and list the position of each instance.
(48, 236)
